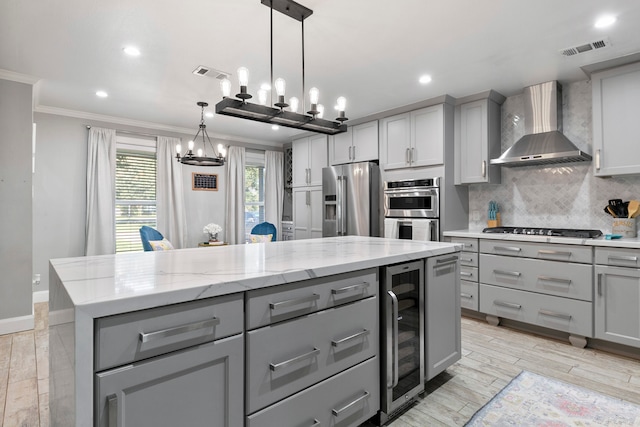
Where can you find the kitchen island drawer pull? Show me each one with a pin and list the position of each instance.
(466, 274)
(555, 279)
(350, 288)
(275, 366)
(555, 314)
(623, 258)
(507, 248)
(292, 302)
(507, 304)
(508, 273)
(467, 296)
(337, 412)
(152, 336)
(443, 261)
(468, 245)
(466, 259)
(550, 252)
(349, 338)
(112, 410)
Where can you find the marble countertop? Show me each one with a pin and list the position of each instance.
(631, 243)
(111, 284)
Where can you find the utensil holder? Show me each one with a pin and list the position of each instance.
(626, 227)
(494, 222)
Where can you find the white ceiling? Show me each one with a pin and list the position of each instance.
(370, 51)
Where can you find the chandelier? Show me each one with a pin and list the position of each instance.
(277, 115)
(201, 158)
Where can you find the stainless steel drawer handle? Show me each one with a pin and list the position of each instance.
(292, 302)
(316, 423)
(450, 260)
(112, 410)
(508, 248)
(555, 279)
(466, 274)
(507, 304)
(599, 284)
(275, 366)
(555, 314)
(508, 273)
(466, 259)
(337, 412)
(467, 245)
(350, 288)
(623, 258)
(152, 336)
(349, 338)
(550, 252)
(466, 296)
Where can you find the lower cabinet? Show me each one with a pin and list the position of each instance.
(200, 386)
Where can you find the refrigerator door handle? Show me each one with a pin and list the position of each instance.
(339, 212)
(343, 204)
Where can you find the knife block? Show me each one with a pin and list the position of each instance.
(494, 222)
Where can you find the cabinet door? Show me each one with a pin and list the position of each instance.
(300, 155)
(427, 136)
(442, 313)
(317, 158)
(301, 221)
(473, 142)
(396, 140)
(315, 212)
(340, 148)
(365, 142)
(201, 386)
(617, 299)
(615, 115)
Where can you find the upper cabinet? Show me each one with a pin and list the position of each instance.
(309, 157)
(477, 139)
(615, 113)
(358, 144)
(413, 139)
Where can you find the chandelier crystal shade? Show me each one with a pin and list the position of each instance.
(201, 158)
(276, 114)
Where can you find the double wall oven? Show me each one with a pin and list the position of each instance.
(412, 206)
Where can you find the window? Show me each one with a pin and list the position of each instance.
(253, 191)
(135, 191)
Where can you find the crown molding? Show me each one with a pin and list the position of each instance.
(18, 77)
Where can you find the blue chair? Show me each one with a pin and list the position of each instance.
(148, 233)
(265, 228)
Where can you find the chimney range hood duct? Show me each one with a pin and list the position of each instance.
(543, 142)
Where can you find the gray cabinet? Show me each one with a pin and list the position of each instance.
(617, 296)
(358, 144)
(309, 157)
(477, 140)
(442, 313)
(615, 114)
(469, 277)
(307, 212)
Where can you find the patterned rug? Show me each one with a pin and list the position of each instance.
(533, 400)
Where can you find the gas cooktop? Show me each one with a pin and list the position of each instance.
(556, 232)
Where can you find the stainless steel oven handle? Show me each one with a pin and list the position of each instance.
(394, 321)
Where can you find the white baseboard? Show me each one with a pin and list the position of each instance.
(41, 296)
(16, 324)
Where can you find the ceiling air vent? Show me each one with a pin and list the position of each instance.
(210, 72)
(587, 47)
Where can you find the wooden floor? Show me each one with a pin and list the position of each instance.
(491, 357)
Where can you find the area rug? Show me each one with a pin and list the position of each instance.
(533, 400)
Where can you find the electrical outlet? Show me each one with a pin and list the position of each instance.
(475, 215)
(36, 279)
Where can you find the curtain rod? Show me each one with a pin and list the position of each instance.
(132, 133)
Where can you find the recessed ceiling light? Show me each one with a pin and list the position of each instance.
(425, 79)
(605, 21)
(102, 94)
(275, 127)
(132, 51)
(265, 86)
(209, 114)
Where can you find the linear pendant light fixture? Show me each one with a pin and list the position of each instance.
(277, 115)
(201, 158)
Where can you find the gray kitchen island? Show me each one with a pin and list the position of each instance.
(229, 336)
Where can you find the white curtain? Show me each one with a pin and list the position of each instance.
(274, 188)
(170, 207)
(100, 226)
(234, 226)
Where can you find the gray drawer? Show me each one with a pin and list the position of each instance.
(550, 251)
(468, 273)
(319, 404)
(285, 358)
(564, 279)
(469, 259)
(618, 257)
(562, 314)
(275, 304)
(129, 337)
(468, 244)
(469, 295)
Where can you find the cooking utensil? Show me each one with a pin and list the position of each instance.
(633, 209)
(608, 209)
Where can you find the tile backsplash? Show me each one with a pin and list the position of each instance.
(561, 196)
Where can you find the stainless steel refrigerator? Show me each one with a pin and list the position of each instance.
(351, 200)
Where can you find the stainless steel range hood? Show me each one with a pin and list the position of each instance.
(543, 142)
